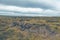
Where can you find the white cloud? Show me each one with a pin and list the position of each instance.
(10, 10)
(20, 9)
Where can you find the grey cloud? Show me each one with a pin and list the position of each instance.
(26, 3)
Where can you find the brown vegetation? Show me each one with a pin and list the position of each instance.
(29, 28)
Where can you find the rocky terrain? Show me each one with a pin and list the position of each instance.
(29, 28)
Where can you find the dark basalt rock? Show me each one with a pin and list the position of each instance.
(51, 31)
(25, 26)
(22, 27)
(28, 26)
(48, 28)
(15, 24)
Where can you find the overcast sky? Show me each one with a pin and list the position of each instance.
(30, 7)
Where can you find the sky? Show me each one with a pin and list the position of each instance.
(30, 7)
